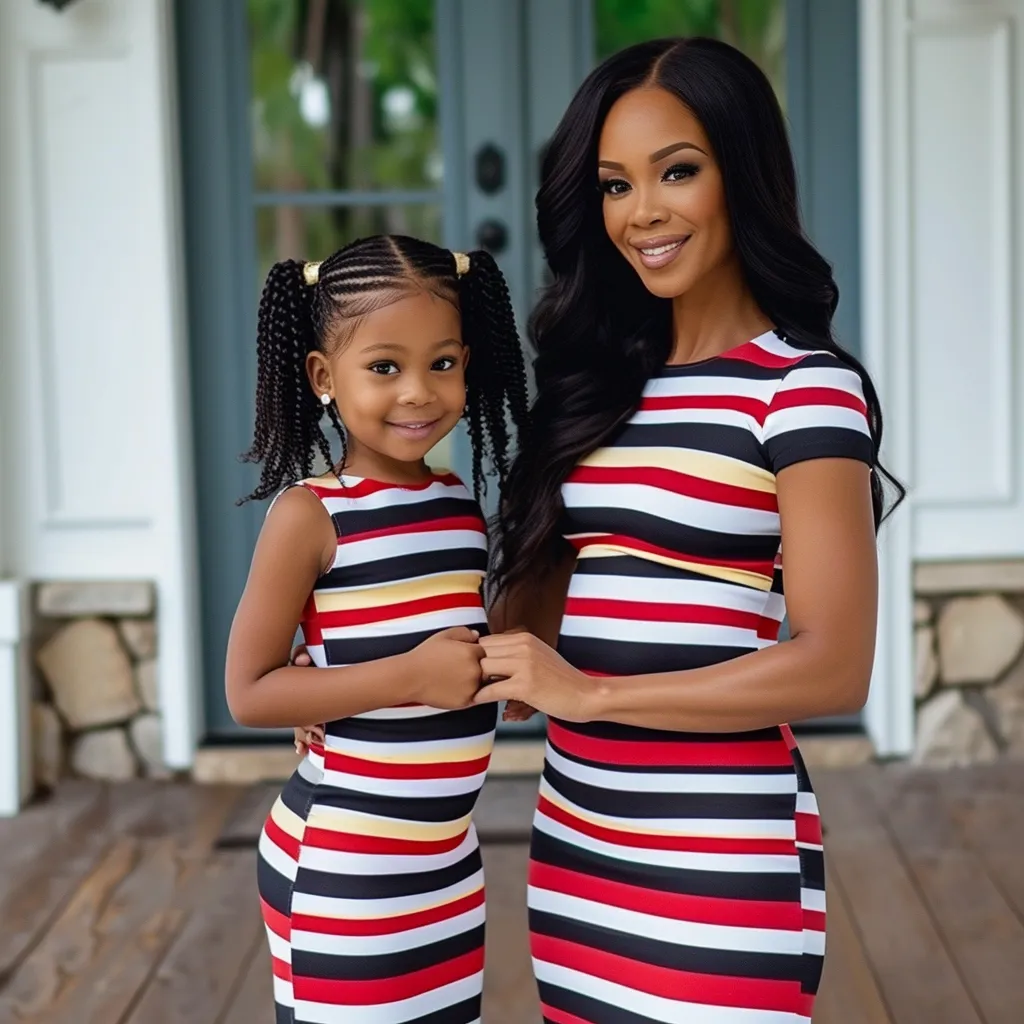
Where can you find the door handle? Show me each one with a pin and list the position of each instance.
(492, 235)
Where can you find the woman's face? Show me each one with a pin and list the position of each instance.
(664, 199)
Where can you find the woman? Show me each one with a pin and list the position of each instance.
(694, 419)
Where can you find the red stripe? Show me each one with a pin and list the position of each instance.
(336, 762)
(762, 566)
(678, 483)
(347, 842)
(714, 910)
(366, 487)
(657, 611)
(768, 628)
(284, 841)
(387, 925)
(667, 753)
(753, 353)
(751, 407)
(389, 990)
(814, 920)
(474, 523)
(556, 1016)
(277, 922)
(808, 828)
(398, 610)
(794, 398)
(281, 969)
(667, 983)
(310, 623)
(682, 844)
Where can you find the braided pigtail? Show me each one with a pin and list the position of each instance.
(496, 375)
(287, 434)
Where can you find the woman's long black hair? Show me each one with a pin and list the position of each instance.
(296, 318)
(598, 333)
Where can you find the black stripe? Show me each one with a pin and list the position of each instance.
(477, 720)
(405, 568)
(385, 887)
(426, 809)
(732, 369)
(701, 960)
(586, 1008)
(356, 520)
(630, 804)
(734, 885)
(812, 868)
(723, 439)
(273, 887)
(298, 795)
(638, 567)
(638, 733)
(466, 1012)
(371, 967)
(625, 658)
(357, 650)
(819, 442)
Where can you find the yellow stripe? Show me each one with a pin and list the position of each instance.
(333, 819)
(744, 577)
(287, 820)
(414, 590)
(474, 748)
(707, 466)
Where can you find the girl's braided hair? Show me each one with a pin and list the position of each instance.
(296, 318)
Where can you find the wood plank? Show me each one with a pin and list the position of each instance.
(245, 822)
(917, 978)
(849, 993)
(253, 1003)
(203, 968)
(983, 934)
(504, 812)
(108, 940)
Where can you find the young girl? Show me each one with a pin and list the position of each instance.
(369, 874)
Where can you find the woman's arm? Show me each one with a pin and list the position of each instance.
(828, 540)
(295, 546)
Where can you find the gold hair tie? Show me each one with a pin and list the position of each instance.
(461, 263)
(311, 273)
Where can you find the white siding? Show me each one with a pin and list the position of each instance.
(95, 403)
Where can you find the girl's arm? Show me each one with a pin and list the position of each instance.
(296, 545)
(828, 543)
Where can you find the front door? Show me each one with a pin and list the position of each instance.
(307, 123)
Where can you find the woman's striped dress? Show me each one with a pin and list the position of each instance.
(679, 877)
(369, 872)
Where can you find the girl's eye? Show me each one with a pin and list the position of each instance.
(680, 172)
(444, 363)
(614, 186)
(385, 368)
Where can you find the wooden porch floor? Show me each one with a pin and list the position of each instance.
(136, 904)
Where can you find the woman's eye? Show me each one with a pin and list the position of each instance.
(444, 363)
(385, 369)
(614, 186)
(680, 172)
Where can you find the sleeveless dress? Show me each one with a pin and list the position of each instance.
(679, 877)
(369, 871)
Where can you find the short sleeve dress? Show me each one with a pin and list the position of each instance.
(679, 877)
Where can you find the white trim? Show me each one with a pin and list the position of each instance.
(890, 710)
(16, 779)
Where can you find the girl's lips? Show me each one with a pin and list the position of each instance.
(417, 431)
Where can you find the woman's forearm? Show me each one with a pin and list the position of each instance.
(791, 681)
(291, 696)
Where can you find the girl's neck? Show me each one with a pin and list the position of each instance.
(716, 315)
(368, 464)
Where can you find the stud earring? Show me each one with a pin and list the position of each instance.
(325, 399)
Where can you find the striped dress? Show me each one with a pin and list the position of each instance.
(679, 877)
(369, 869)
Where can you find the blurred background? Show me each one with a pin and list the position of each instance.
(157, 156)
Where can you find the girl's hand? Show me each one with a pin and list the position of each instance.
(517, 711)
(447, 669)
(306, 735)
(300, 657)
(532, 673)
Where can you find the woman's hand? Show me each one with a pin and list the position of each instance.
(530, 672)
(305, 735)
(517, 711)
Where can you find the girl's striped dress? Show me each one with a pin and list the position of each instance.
(369, 871)
(679, 877)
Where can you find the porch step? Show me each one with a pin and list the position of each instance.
(251, 763)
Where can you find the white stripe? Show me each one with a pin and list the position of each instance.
(806, 803)
(814, 942)
(277, 858)
(803, 417)
(837, 377)
(395, 942)
(669, 1011)
(716, 417)
(283, 994)
(646, 631)
(712, 828)
(714, 593)
(279, 947)
(364, 588)
(385, 752)
(391, 714)
(740, 387)
(813, 899)
(417, 788)
(387, 546)
(344, 862)
(740, 863)
(398, 1012)
(333, 906)
(339, 500)
(667, 929)
(430, 622)
(671, 782)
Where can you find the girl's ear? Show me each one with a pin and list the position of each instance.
(465, 357)
(319, 374)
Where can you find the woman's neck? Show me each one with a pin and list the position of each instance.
(716, 315)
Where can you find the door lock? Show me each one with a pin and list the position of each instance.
(492, 235)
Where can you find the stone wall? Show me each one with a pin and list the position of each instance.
(96, 712)
(969, 673)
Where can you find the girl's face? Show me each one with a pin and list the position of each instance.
(399, 380)
(664, 200)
